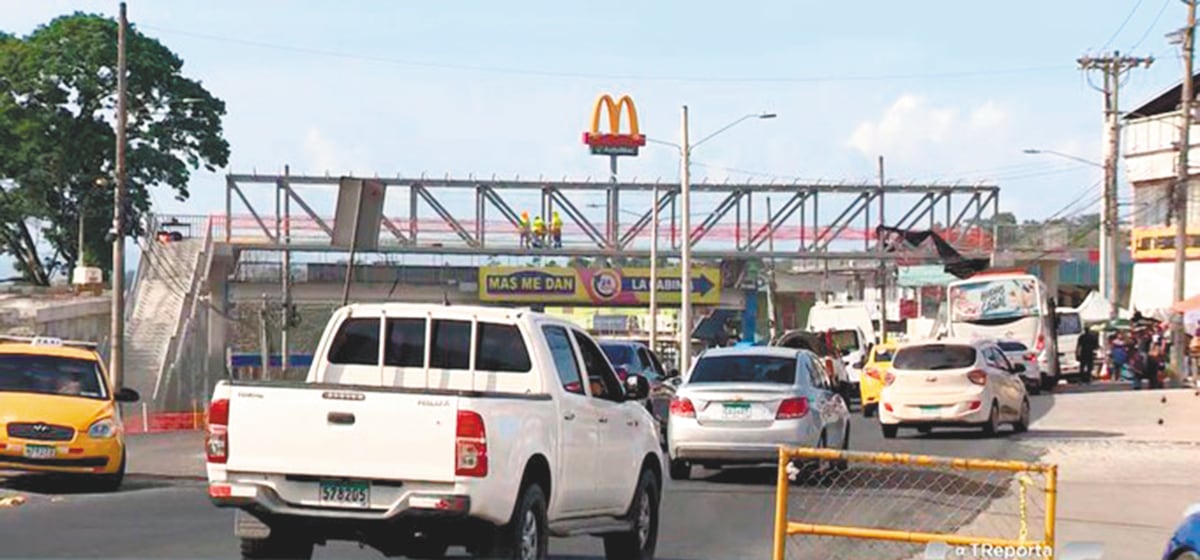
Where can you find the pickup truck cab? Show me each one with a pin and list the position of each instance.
(488, 428)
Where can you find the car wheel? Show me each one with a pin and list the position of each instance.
(889, 430)
(993, 422)
(812, 471)
(280, 544)
(639, 543)
(1186, 555)
(427, 547)
(843, 465)
(868, 410)
(1022, 423)
(1035, 388)
(525, 537)
(680, 470)
(111, 482)
(1049, 382)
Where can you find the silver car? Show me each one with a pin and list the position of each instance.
(738, 405)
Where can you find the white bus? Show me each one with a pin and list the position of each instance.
(1007, 305)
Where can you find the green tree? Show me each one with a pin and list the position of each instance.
(57, 137)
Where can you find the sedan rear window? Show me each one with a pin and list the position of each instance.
(934, 356)
(1013, 346)
(744, 369)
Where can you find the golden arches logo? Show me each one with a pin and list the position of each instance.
(615, 142)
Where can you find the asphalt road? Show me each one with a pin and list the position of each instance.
(717, 515)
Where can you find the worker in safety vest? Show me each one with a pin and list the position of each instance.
(539, 231)
(523, 226)
(556, 229)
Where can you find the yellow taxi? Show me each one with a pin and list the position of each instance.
(874, 372)
(57, 411)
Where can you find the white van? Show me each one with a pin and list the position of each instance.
(1070, 326)
(853, 332)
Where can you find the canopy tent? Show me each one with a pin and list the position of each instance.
(1094, 309)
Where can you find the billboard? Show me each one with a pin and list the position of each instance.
(593, 286)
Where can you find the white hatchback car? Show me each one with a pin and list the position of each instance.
(953, 383)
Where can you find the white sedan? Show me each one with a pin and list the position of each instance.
(953, 383)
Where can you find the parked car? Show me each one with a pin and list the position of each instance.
(953, 382)
(1185, 543)
(825, 347)
(631, 356)
(58, 412)
(484, 427)
(738, 405)
(1069, 327)
(874, 370)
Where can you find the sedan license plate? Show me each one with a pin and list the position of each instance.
(931, 410)
(737, 411)
(40, 451)
(345, 493)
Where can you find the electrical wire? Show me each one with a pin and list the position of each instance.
(1121, 27)
(602, 76)
(1151, 26)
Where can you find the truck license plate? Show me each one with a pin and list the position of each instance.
(345, 493)
(737, 411)
(40, 451)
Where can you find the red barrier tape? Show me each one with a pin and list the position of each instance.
(164, 422)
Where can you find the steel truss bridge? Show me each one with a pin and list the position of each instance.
(742, 223)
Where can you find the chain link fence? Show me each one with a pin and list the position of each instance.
(883, 506)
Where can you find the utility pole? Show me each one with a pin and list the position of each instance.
(286, 268)
(1113, 68)
(654, 271)
(1181, 192)
(883, 271)
(116, 367)
(772, 317)
(685, 275)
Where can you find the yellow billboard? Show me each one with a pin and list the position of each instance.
(593, 286)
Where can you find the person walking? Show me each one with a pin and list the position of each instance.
(523, 226)
(539, 231)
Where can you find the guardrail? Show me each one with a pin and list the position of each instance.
(971, 506)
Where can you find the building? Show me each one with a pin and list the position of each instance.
(1149, 138)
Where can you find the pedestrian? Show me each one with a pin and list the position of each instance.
(556, 229)
(1085, 352)
(1118, 355)
(539, 231)
(523, 226)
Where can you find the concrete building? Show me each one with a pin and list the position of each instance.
(1150, 135)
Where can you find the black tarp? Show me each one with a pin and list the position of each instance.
(953, 262)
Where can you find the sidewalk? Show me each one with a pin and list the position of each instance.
(169, 454)
(1127, 466)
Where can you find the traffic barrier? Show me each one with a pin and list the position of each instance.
(841, 504)
(144, 422)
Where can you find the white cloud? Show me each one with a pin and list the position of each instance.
(912, 128)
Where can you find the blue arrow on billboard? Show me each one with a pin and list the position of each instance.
(641, 284)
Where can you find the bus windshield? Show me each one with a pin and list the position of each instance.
(994, 301)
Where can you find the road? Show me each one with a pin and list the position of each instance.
(718, 515)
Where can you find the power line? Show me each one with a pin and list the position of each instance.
(1151, 26)
(600, 76)
(1121, 27)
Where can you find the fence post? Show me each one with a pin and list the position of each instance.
(781, 506)
(1051, 503)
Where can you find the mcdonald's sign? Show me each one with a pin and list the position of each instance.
(614, 143)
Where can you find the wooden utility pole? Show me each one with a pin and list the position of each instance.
(1113, 68)
(116, 367)
(1181, 191)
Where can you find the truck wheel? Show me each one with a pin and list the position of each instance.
(279, 544)
(680, 470)
(639, 543)
(525, 537)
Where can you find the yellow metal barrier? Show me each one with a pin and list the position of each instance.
(880, 505)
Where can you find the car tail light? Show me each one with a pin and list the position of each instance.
(975, 405)
(216, 442)
(683, 408)
(790, 409)
(872, 373)
(977, 376)
(1041, 342)
(889, 378)
(887, 407)
(470, 450)
(1031, 357)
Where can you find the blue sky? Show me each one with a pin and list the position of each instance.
(945, 90)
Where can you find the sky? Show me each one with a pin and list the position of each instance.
(945, 90)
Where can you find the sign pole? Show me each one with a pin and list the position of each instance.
(654, 270)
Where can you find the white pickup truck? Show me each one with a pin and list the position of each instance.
(488, 428)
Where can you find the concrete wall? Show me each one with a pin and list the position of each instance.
(86, 318)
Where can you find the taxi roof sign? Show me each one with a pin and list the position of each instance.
(48, 341)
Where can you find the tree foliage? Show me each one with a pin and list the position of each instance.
(58, 137)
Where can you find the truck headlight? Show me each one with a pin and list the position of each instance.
(102, 429)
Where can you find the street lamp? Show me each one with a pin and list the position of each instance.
(1034, 151)
(685, 273)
